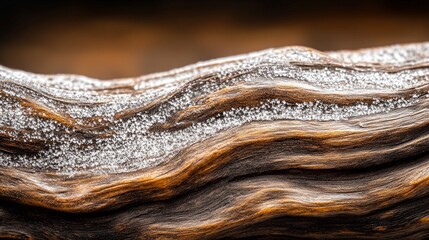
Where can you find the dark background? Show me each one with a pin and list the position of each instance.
(111, 39)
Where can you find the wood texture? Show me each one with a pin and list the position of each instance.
(348, 160)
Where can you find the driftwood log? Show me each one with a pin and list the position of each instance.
(283, 143)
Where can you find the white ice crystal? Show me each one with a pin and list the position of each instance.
(131, 146)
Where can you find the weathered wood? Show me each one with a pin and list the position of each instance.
(280, 143)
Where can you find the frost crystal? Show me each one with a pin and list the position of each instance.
(129, 144)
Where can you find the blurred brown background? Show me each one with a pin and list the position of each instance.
(111, 39)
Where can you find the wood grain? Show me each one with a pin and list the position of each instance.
(362, 176)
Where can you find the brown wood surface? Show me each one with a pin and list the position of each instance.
(363, 177)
